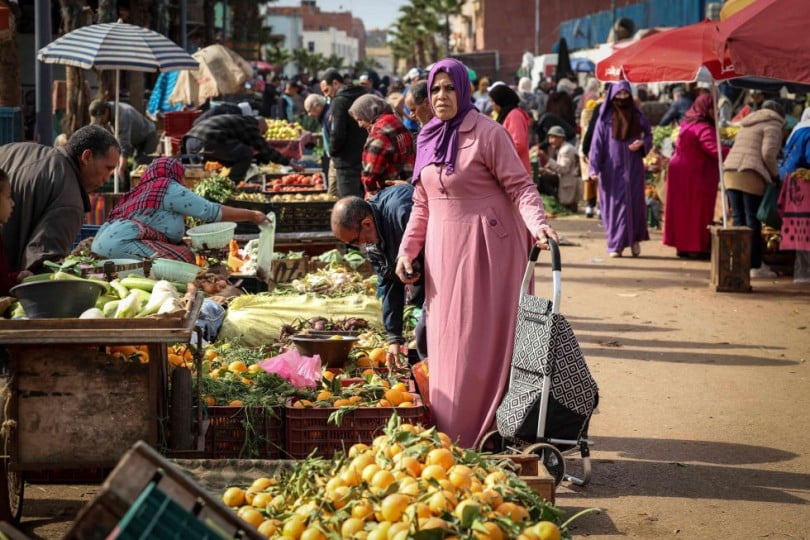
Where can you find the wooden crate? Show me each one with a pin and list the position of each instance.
(95, 407)
(730, 259)
(136, 470)
(531, 471)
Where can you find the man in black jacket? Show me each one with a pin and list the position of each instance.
(346, 137)
(233, 139)
(378, 225)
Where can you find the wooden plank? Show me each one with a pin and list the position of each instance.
(107, 331)
(78, 406)
(542, 483)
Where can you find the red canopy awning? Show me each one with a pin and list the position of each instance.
(675, 55)
(769, 38)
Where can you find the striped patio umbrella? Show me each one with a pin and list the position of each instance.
(117, 46)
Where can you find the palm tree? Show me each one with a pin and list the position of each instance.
(367, 64)
(277, 56)
(10, 85)
(335, 61)
(444, 9)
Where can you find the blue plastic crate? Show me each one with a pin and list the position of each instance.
(86, 232)
(11, 126)
(155, 516)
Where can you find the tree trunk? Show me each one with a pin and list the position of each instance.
(140, 10)
(107, 13)
(75, 14)
(10, 85)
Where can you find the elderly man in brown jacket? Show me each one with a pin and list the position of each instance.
(749, 167)
(49, 187)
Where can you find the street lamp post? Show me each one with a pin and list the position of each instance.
(42, 74)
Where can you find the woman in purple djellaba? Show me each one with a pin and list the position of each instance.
(621, 139)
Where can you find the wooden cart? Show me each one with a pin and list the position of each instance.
(68, 405)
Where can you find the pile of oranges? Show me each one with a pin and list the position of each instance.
(372, 391)
(409, 480)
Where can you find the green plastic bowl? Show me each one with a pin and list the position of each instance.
(57, 298)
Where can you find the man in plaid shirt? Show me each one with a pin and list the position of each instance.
(233, 140)
(388, 154)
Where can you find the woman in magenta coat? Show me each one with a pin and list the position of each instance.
(476, 212)
(692, 179)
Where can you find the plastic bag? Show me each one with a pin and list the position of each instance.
(300, 371)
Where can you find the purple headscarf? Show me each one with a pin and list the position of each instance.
(438, 140)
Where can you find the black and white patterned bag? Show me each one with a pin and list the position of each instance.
(545, 345)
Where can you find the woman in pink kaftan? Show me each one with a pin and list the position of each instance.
(475, 212)
(692, 180)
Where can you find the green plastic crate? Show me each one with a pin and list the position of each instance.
(11, 127)
(155, 516)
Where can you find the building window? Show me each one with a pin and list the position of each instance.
(311, 46)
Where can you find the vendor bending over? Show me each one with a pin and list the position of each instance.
(149, 221)
(378, 225)
(233, 140)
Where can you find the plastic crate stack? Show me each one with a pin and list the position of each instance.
(175, 125)
(11, 125)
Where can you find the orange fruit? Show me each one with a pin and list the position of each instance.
(210, 401)
(236, 403)
(378, 356)
(393, 506)
(442, 457)
(234, 496)
(546, 530)
(365, 362)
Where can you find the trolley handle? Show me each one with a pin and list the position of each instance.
(556, 262)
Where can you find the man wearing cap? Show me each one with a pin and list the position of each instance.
(233, 140)
(137, 135)
(413, 76)
(564, 162)
(346, 137)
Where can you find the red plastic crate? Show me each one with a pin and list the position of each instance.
(228, 438)
(307, 430)
(177, 123)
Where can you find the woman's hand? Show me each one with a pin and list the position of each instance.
(392, 356)
(389, 183)
(405, 270)
(636, 145)
(257, 217)
(543, 233)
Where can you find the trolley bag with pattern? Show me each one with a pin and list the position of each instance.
(545, 345)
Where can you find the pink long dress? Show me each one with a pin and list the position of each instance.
(476, 230)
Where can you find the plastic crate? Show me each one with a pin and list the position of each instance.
(87, 231)
(228, 438)
(155, 516)
(138, 468)
(303, 216)
(177, 123)
(307, 430)
(11, 126)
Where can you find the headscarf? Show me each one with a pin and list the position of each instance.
(566, 85)
(438, 140)
(525, 85)
(804, 122)
(702, 110)
(148, 196)
(505, 98)
(369, 107)
(625, 121)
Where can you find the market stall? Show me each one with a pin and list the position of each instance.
(72, 403)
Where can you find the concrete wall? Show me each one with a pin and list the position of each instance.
(332, 41)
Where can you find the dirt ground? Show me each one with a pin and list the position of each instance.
(702, 428)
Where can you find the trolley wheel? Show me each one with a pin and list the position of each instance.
(551, 458)
(492, 443)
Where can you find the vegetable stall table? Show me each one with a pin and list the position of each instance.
(70, 405)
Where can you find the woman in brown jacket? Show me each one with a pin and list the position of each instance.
(750, 166)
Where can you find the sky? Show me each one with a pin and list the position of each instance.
(374, 13)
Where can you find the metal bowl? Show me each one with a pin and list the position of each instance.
(57, 298)
(333, 352)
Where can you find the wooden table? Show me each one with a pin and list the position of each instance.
(69, 405)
